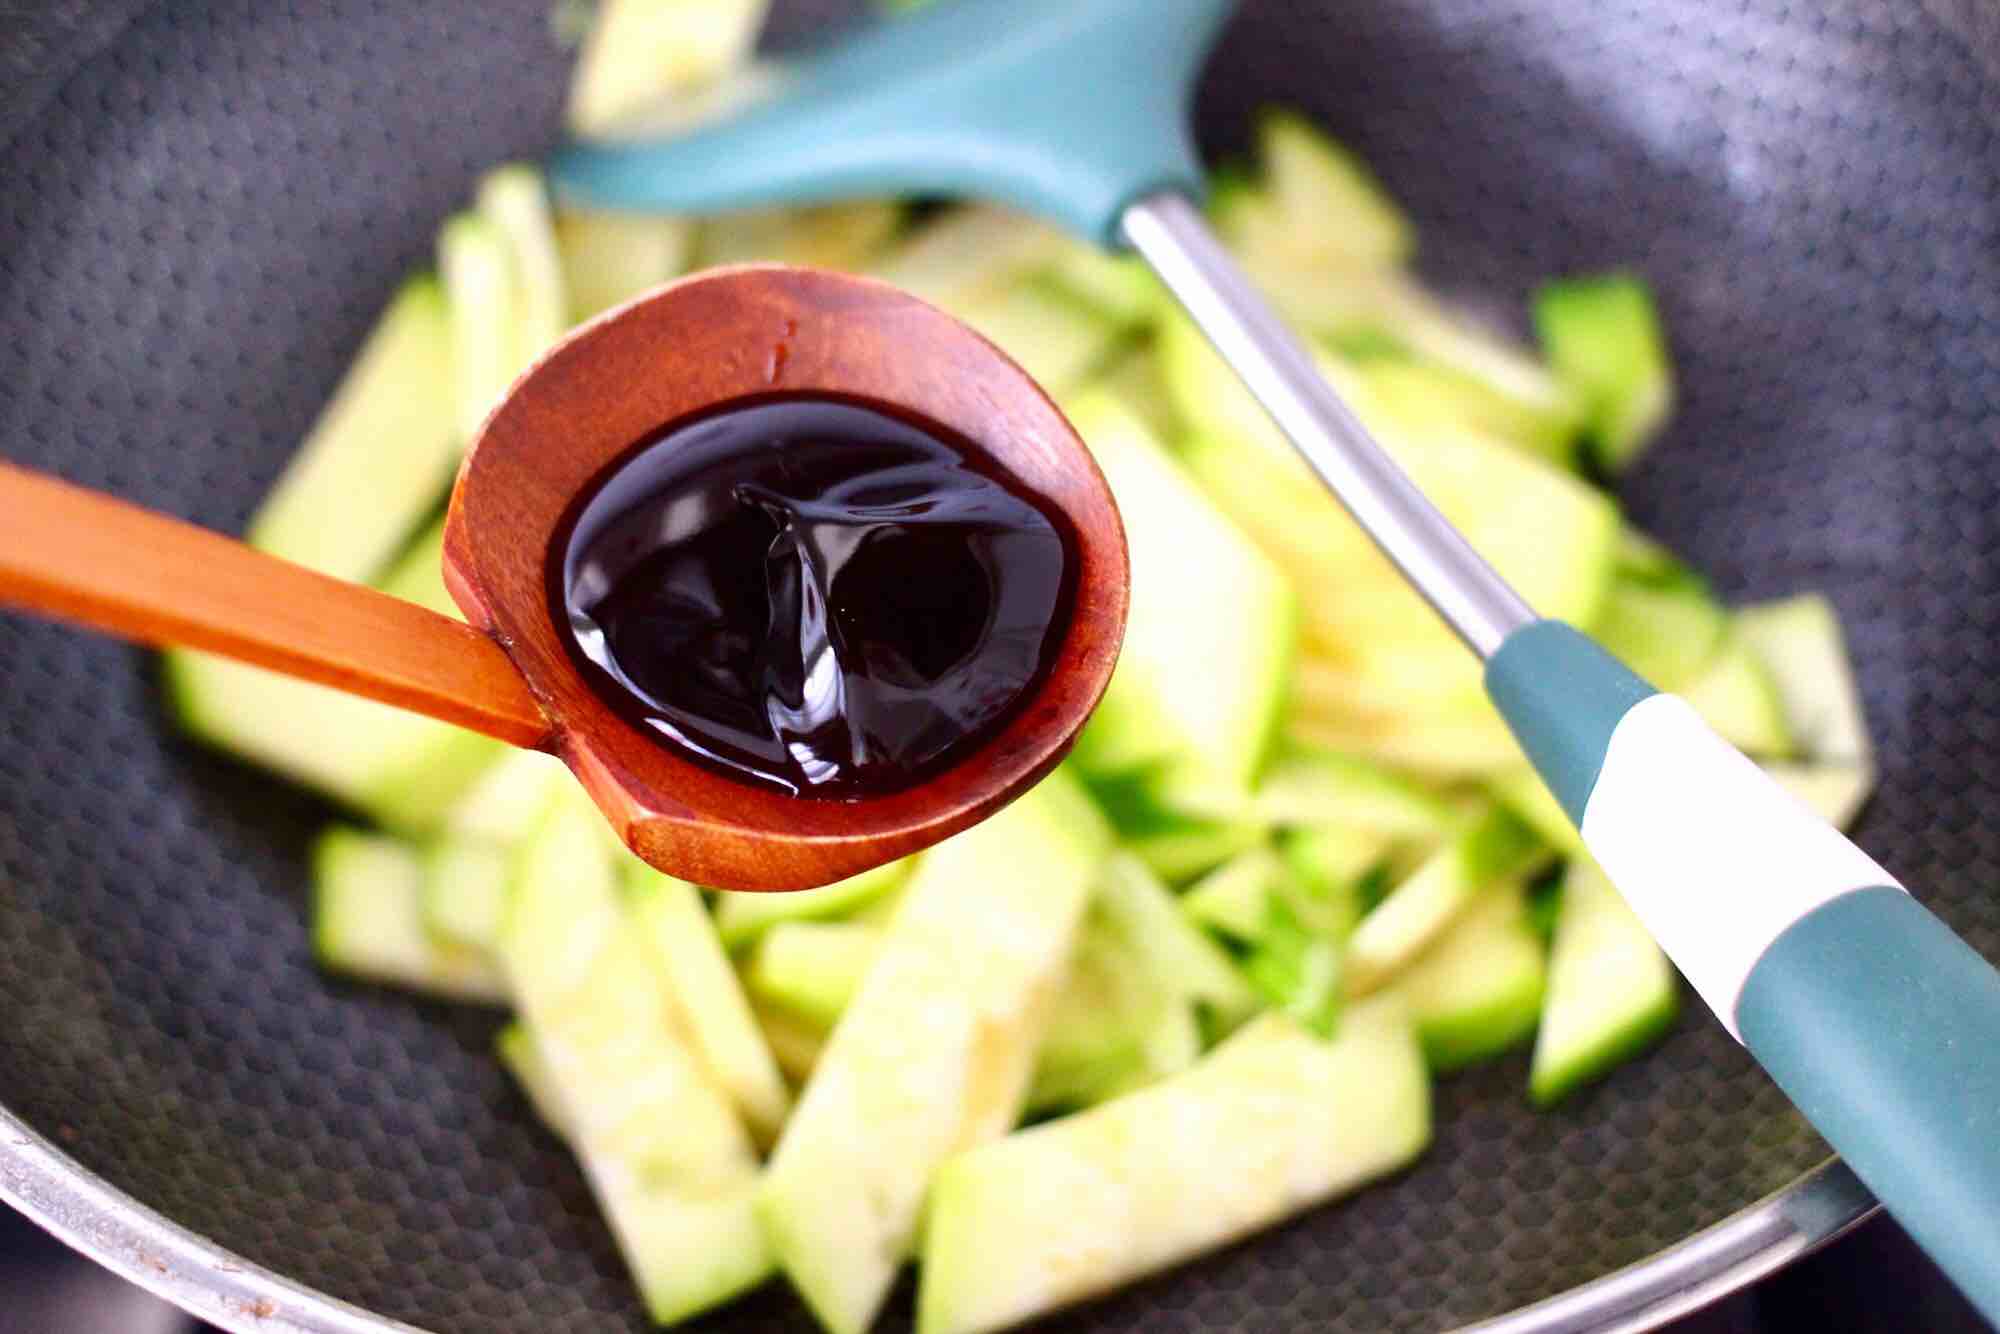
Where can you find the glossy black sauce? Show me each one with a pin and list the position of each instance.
(812, 593)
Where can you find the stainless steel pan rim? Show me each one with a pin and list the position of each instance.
(89, 1214)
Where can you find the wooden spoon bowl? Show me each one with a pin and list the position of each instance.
(606, 390)
(722, 336)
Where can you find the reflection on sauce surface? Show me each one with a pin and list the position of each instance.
(814, 594)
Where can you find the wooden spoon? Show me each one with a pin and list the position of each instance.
(724, 335)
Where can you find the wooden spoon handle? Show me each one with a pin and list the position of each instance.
(85, 557)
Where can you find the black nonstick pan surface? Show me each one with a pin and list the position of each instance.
(202, 205)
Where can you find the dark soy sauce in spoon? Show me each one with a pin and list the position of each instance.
(813, 593)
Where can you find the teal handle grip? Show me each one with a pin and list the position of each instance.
(1563, 696)
(1884, 1029)
(1881, 1025)
(1069, 109)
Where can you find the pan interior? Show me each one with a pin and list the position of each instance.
(205, 206)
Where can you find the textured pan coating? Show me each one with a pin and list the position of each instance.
(205, 205)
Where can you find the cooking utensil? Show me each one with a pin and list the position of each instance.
(89, 558)
(1882, 1025)
(206, 207)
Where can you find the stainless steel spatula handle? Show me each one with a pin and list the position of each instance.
(1456, 580)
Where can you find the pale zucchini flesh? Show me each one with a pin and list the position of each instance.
(465, 891)
(1737, 696)
(1145, 916)
(509, 799)
(1799, 641)
(1234, 900)
(515, 200)
(1603, 338)
(1210, 635)
(1107, 1023)
(741, 916)
(1668, 634)
(715, 1015)
(478, 271)
(845, 236)
(639, 51)
(811, 970)
(368, 922)
(609, 258)
(935, 1052)
(347, 501)
(1419, 909)
(1611, 992)
(1478, 990)
(670, 1163)
(516, 1048)
(1061, 1212)
(403, 770)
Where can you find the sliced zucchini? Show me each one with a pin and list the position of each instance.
(1611, 992)
(969, 253)
(1176, 955)
(672, 922)
(1316, 786)
(1551, 536)
(510, 798)
(1330, 857)
(1649, 560)
(846, 236)
(1330, 205)
(1668, 633)
(1418, 909)
(516, 1048)
(367, 921)
(1738, 698)
(935, 1052)
(1456, 739)
(464, 895)
(1345, 305)
(1062, 1211)
(811, 970)
(403, 770)
(515, 200)
(1112, 1026)
(1179, 852)
(671, 1165)
(381, 454)
(1478, 990)
(1121, 288)
(640, 51)
(742, 916)
(1603, 338)
(1523, 792)
(485, 302)
(1134, 380)
(1297, 966)
(1423, 398)
(1213, 400)
(1202, 677)
(418, 574)
(795, 1043)
(609, 258)
(1834, 792)
(1057, 339)
(1799, 640)
(1234, 900)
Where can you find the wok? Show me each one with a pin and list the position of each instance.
(205, 204)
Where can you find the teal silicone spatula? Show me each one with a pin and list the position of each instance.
(1879, 1023)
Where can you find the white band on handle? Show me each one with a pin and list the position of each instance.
(1715, 858)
